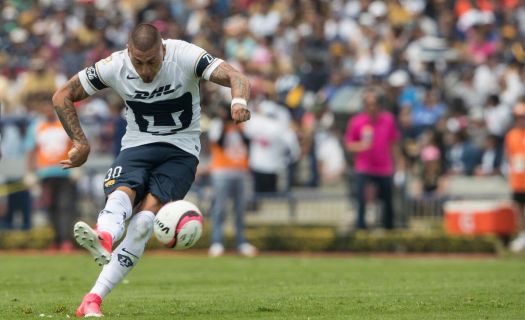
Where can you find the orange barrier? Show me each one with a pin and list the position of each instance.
(479, 217)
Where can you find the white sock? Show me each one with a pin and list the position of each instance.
(112, 218)
(127, 254)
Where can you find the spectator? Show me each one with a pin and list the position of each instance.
(309, 139)
(264, 21)
(515, 148)
(18, 197)
(401, 98)
(228, 168)
(431, 182)
(461, 154)
(73, 56)
(48, 143)
(273, 144)
(332, 162)
(511, 85)
(9, 103)
(465, 90)
(40, 78)
(497, 117)
(427, 114)
(372, 137)
(239, 44)
(489, 159)
(484, 76)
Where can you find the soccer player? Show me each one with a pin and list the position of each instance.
(159, 81)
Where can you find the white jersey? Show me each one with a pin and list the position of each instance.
(165, 110)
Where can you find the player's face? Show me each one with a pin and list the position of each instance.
(147, 63)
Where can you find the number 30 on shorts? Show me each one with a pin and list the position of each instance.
(112, 174)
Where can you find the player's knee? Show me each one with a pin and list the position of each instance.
(142, 226)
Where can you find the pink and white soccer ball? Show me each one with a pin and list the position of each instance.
(178, 225)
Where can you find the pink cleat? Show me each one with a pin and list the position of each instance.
(99, 244)
(90, 306)
(106, 240)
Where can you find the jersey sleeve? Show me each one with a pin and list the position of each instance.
(196, 61)
(98, 76)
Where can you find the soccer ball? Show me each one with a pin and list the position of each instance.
(178, 225)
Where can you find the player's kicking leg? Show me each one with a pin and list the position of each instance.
(110, 226)
(123, 258)
(98, 243)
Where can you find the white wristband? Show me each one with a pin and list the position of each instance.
(239, 101)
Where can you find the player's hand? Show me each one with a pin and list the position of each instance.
(240, 113)
(76, 156)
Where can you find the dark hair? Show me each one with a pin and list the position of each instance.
(145, 37)
(376, 92)
(493, 99)
(492, 137)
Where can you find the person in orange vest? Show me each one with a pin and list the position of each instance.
(47, 144)
(229, 172)
(515, 149)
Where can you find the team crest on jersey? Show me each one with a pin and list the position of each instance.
(160, 91)
(91, 73)
(94, 78)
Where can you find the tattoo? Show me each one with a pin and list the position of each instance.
(227, 76)
(71, 92)
(240, 86)
(76, 90)
(220, 74)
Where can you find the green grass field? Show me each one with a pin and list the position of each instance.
(270, 287)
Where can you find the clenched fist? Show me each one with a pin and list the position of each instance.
(240, 113)
(76, 156)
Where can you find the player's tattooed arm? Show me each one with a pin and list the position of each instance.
(63, 101)
(227, 76)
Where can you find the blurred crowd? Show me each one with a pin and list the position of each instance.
(449, 71)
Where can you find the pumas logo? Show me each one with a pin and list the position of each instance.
(94, 78)
(91, 73)
(125, 261)
(160, 91)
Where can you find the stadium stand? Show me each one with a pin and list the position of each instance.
(449, 70)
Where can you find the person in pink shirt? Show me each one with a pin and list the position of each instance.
(371, 136)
